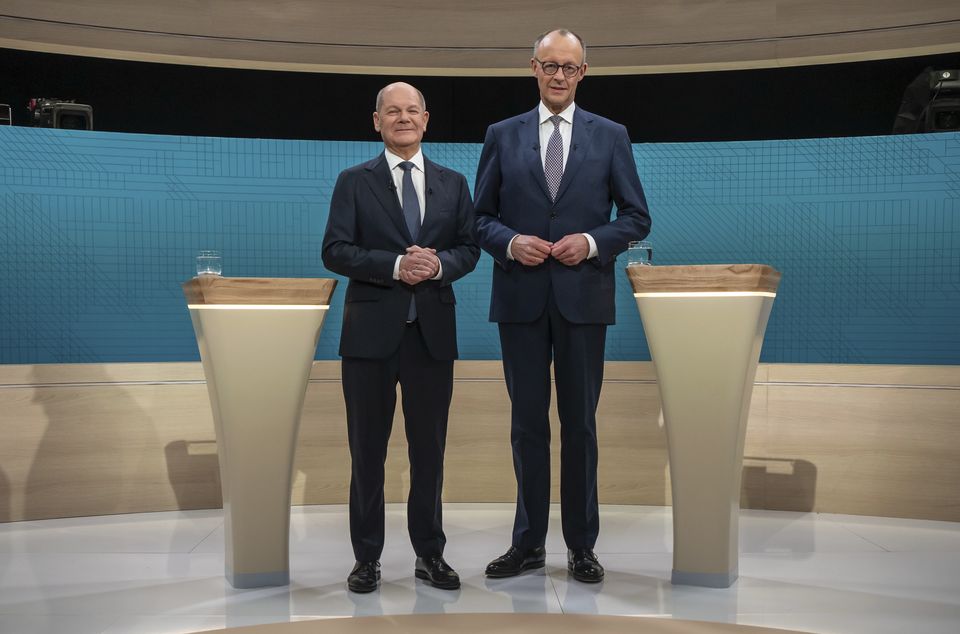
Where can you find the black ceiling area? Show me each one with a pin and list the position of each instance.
(845, 99)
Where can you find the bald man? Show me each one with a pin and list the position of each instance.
(547, 182)
(400, 228)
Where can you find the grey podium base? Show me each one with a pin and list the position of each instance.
(258, 579)
(705, 579)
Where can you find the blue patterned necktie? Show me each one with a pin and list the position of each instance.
(411, 213)
(411, 204)
(553, 162)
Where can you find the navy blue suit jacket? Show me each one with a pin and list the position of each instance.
(366, 232)
(511, 198)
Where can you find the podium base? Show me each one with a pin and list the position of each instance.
(258, 579)
(704, 579)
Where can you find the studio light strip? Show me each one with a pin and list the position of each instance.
(257, 306)
(709, 294)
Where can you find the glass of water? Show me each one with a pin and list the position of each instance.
(209, 263)
(639, 252)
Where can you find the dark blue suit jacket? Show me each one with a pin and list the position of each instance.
(366, 232)
(511, 198)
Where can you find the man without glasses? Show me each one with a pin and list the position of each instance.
(400, 228)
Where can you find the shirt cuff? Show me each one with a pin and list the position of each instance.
(510, 246)
(593, 246)
(396, 268)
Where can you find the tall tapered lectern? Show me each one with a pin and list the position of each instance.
(704, 326)
(257, 339)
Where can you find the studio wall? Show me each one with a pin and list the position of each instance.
(98, 230)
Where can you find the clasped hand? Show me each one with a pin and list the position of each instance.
(419, 264)
(571, 249)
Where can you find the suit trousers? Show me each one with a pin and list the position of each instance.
(370, 392)
(577, 352)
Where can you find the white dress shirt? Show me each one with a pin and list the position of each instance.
(566, 133)
(417, 173)
(546, 130)
(419, 183)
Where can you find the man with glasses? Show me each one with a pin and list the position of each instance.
(546, 185)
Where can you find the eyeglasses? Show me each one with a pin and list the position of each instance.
(551, 68)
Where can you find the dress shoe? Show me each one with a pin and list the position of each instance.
(516, 561)
(438, 573)
(583, 565)
(365, 576)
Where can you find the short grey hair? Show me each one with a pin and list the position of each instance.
(423, 102)
(564, 33)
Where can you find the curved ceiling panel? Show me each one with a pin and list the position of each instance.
(481, 38)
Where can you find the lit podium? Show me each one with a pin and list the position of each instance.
(257, 339)
(704, 325)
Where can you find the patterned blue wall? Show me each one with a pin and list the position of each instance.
(97, 230)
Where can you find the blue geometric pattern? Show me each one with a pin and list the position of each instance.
(98, 230)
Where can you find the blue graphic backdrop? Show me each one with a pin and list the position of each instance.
(98, 230)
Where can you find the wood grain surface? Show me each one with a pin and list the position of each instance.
(96, 439)
(459, 37)
(214, 289)
(502, 624)
(717, 278)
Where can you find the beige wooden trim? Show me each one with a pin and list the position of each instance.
(493, 38)
(877, 375)
(214, 289)
(91, 439)
(673, 66)
(695, 278)
(497, 622)
(53, 374)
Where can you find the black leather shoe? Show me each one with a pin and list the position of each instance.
(516, 561)
(583, 565)
(438, 573)
(365, 576)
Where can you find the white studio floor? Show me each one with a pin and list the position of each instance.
(163, 573)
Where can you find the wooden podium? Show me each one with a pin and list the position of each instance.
(704, 325)
(257, 339)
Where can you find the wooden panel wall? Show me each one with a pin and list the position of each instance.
(121, 438)
(463, 37)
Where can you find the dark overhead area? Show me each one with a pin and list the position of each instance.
(848, 99)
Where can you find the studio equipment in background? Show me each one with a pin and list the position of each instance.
(931, 103)
(52, 112)
(6, 116)
(943, 113)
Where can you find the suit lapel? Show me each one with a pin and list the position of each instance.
(381, 184)
(435, 184)
(530, 147)
(582, 131)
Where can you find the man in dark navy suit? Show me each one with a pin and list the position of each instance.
(546, 185)
(400, 228)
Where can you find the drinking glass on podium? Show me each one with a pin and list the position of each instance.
(639, 253)
(209, 263)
